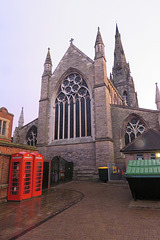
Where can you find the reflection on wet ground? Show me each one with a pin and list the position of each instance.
(16, 217)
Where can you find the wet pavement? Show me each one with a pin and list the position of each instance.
(93, 211)
(16, 218)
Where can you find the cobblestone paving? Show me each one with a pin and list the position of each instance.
(105, 213)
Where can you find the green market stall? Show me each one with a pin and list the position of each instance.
(143, 177)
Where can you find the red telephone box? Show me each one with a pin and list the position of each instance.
(37, 174)
(20, 176)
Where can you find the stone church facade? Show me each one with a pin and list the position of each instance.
(84, 116)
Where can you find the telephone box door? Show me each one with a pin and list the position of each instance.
(37, 174)
(14, 186)
(27, 176)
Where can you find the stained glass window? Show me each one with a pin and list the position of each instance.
(66, 121)
(77, 118)
(72, 108)
(71, 118)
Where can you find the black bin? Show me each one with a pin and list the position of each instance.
(103, 174)
(145, 187)
(143, 177)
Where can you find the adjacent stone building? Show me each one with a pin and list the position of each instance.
(84, 116)
(146, 146)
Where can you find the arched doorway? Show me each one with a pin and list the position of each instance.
(61, 170)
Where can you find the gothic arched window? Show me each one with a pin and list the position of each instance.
(134, 128)
(32, 136)
(72, 109)
(125, 97)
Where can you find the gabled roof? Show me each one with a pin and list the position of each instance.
(75, 51)
(83, 54)
(148, 141)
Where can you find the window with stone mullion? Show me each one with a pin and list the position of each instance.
(134, 129)
(72, 109)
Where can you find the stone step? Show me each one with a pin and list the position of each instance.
(84, 178)
(86, 168)
(86, 173)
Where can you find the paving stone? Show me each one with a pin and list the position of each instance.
(104, 213)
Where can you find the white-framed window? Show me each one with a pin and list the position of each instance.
(153, 156)
(72, 109)
(139, 157)
(3, 127)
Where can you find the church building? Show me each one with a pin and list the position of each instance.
(84, 116)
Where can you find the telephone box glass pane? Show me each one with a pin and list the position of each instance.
(27, 178)
(38, 176)
(15, 178)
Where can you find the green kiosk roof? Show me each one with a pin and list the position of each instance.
(143, 168)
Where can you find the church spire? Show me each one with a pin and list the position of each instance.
(21, 119)
(119, 56)
(48, 63)
(121, 77)
(157, 98)
(117, 31)
(99, 46)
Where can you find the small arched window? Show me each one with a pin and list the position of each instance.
(32, 136)
(125, 97)
(134, 128)
(72, 109)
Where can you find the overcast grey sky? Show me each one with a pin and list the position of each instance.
(29, 27)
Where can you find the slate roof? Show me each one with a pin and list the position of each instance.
(148, 141)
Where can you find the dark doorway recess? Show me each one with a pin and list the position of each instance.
(61, 170)
(46, 176)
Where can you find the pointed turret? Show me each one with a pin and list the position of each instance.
(157, 98)
(99, 46)
(121, 77)
(102, 106)
(48, 64)
(21, 119)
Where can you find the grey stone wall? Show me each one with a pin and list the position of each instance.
(20, 134)
(81, 154)
(119, 115)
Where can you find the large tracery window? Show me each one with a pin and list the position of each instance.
(32, 136)
(72, 109)
(134, 128)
